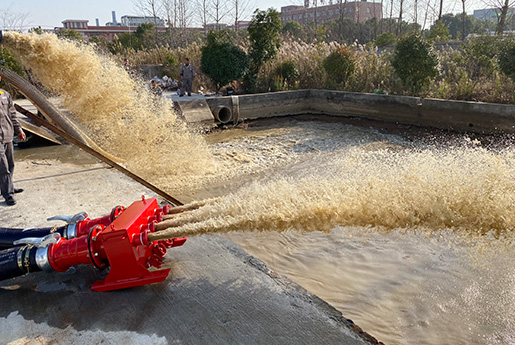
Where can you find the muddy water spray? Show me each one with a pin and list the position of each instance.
(115, 111)
(471, 190)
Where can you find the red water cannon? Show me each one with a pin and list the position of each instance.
(118, 242)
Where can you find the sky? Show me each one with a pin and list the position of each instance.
(50, 13)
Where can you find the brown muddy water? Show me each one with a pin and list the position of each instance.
(425, 282)
(408, 233)
(429, 283)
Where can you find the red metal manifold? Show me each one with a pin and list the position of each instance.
(118, 241)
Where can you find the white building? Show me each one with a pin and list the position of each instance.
(131, 21)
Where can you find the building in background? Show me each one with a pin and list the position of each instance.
(358, 11)
(135, 21)
(128, 24)
(491, 14)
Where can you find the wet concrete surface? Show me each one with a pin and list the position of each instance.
(216, 293)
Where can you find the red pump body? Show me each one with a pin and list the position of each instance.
(121, 245)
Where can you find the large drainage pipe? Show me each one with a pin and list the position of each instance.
(17, 261)
(9, 235)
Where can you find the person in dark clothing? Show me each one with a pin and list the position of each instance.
(9, 126)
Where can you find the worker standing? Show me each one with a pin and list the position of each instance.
(9, 126)
(187, 74)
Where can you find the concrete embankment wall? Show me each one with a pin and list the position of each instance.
(461, 116)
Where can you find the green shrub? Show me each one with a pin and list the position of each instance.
(415, 62)
(10, 62)
(439, 32)
(479, 55)
(506, 59)
(70, 34)
(288, 73)
(221, 60)
(292, 28)
(339, 65)
(385, 39)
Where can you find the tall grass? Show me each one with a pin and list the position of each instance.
(460, 78)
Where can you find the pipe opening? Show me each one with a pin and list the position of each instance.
(223, 114)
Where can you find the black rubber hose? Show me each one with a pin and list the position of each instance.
(9, 235)
(17, 261)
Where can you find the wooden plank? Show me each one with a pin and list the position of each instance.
(97, 154)
(39, 131)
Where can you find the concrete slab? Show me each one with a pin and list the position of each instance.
(176, 98)
(216, 293)
(196, 111)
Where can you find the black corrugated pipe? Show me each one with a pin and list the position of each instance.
(17, 261)
(9, 235)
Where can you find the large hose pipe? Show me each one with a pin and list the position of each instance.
(9, 235)
(17, 261)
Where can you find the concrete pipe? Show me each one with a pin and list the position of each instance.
(222, 114)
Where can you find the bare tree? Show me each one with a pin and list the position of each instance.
(429, 8)
(415, 11)
(391, 16)
(170, 10)
(11, 20)
(342, 7)
(241, 9)
(399, 29)
(184, 14)
(203, 6)
(150, 8)
(464, 20)
(440, 11)
(503, 8)
(219, 11)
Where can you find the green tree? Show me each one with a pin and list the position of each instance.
(385, 39)
(264, 40)
(293, 28)
(70, 35)
(101, 43)
(10, 62)
(36, 30)
(129, 40)
(145, 32)
(439, 32)
(339, 65)
(415, 62)
(221, 60)
(455, 25)
(479, 54)
(288, 73)
(506, 58)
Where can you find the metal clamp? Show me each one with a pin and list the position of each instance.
(70, 219)
(40, 242)
(71, 229)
